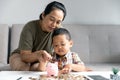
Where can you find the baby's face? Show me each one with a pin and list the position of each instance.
(61, 44)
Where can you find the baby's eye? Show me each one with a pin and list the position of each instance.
(63, 44)
(55, 45)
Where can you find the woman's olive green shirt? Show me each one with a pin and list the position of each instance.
(34, 38)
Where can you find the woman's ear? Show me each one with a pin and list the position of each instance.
(42, 15)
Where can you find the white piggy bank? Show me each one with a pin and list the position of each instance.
(52, 69)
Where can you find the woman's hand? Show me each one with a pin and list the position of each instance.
(44, 56)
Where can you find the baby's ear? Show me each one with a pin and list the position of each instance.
(71, 43)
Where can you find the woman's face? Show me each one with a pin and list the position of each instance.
(61, 45)
(52, 20)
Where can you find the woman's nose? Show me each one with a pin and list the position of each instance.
(54, 24)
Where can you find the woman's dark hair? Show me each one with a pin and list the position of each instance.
(61, 31)
(54, 5)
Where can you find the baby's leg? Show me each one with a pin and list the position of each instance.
(34, 67)
(17, 64)
(38, 66)
(42, 66)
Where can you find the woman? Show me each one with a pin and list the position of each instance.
(35, 40)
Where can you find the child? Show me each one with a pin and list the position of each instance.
(67, 60)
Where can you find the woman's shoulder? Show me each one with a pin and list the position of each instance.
(31, 25)
(32, 22)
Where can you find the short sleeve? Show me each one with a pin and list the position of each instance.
(76, 59)
(26, 38)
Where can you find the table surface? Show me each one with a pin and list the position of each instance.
(14, 75)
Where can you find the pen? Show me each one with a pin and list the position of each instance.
(19, 78)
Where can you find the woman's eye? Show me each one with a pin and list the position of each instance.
(51, 19)
(59, 22)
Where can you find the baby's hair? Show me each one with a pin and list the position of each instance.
(62, 31)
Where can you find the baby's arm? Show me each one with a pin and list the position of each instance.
(73, 67)
(76, 67)
(77, 64)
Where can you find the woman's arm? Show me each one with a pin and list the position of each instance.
(28, 56)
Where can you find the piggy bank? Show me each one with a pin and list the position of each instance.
(52, 69)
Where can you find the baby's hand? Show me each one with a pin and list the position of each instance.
(67, 68)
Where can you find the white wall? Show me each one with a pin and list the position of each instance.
(78, 11)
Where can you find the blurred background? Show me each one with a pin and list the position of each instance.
(78, 11)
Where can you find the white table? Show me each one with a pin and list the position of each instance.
(14, 75)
